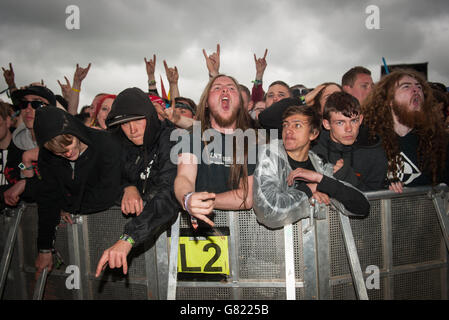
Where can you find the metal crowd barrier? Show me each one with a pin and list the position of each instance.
(400, 251)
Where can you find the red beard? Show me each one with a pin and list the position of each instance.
(411, 119)
(222, 122)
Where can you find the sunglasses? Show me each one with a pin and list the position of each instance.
(34, 104)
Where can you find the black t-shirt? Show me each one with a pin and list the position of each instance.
(215, 162)
(301, 185)
(412, 175)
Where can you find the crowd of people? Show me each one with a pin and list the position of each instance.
(315, 146)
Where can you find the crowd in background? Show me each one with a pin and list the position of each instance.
(336, 141)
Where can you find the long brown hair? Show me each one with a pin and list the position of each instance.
(379, 120)
(238, 171)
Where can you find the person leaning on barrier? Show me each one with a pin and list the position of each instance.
(7, 176)
(289, 177)
(79, 170)
(401, 110)
(344, 137)
(147, 174)
(213, 179)
(24, 155)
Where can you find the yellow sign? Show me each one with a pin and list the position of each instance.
(203, 255)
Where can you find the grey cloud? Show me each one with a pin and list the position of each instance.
(308, 41)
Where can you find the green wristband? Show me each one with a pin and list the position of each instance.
(128, 238)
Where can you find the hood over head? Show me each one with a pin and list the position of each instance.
(134, 104)
(50, 122)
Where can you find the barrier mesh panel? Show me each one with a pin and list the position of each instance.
(203, 294)
(261, 257)
(104, 229)
(415, 230)
(419, 285)
(367, 234)
(416, 239)
(120, 290)
(55, 287)
(263, 294)
(261, 251)
(345, 291)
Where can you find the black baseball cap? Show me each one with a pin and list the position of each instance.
(41, 91)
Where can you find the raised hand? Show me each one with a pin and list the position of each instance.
(172, 74)
(213, 62)
(8, 74)
(261, 64)
(66, 89)
(80, 74)
(150, 67)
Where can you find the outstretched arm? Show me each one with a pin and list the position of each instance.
(8, 74)
(172, 77)
(213, 62)
(257, 92)
(150, 66)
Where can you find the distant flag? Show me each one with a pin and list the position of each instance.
(164, 94)
(385, 66)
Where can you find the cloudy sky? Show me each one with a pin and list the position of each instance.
(308, 42)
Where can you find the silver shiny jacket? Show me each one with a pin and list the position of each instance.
(274, 202)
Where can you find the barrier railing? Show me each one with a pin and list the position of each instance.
(398, 252)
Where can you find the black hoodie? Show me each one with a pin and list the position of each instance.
(92, 185)
(147, 167)
(365, 164)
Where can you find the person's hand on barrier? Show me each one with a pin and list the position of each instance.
(132, 202)
(339, 165)
(115, 256)
(397, 187)
(12, 195)
(213, 62)
(321, 198)
(201, 204)
(304, 175)
(43, 260)
(67, 217)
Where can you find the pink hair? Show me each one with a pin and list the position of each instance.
(97, 106)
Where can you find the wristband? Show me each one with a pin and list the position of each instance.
(193, 220)
(186, 199)
(45, 251)
(24, 167)
(76, 90)
(128, 238)
(151, 82)
(256, 82)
